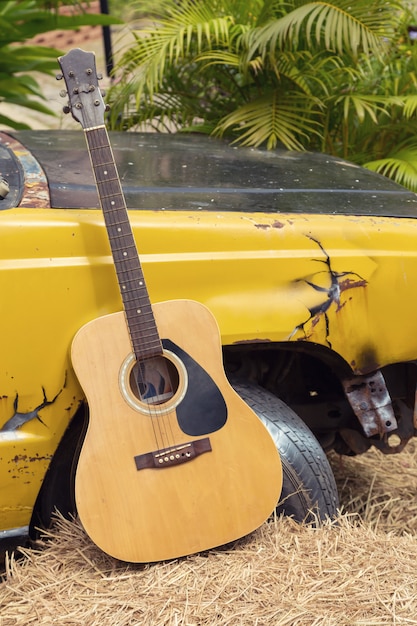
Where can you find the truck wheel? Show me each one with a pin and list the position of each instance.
(309, 492)
(56, 493)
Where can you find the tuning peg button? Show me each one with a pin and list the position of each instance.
(66, 109)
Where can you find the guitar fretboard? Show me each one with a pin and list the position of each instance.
(143, 331)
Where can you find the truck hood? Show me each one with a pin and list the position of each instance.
(190, 172)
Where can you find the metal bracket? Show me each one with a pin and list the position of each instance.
(371, 402)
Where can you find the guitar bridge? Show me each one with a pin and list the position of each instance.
(175, 455)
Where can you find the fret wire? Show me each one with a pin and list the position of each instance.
(140, 333)
(143, 330)
(134, 280)
(132, 307)
(111, 198)
(122, 266)
(146, 342)
(130, 266)
(132, 310)
(126, 264)
(127, 245)
(148, 337)
(137, 276)
(139, 319)
(124, 259)
(114, 195)
(123, 248)
(108, 180)
(130, 248)
(138, 280)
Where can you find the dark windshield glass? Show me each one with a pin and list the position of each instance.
(189, 172)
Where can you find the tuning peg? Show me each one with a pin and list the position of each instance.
(66, 109)
(107, 107)
(63, 93)
(99, 76)
(59, 77)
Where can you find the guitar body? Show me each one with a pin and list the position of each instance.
(185, 497)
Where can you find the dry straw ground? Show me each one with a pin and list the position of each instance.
(359, 571)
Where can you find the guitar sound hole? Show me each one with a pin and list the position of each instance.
(154, 381)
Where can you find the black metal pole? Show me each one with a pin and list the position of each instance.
(108, 52)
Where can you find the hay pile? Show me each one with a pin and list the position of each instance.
(361, 571)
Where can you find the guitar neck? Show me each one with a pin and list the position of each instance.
(143, 331)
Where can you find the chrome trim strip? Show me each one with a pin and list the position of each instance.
(22, 531)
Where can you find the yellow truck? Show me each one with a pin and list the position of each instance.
(308, 263)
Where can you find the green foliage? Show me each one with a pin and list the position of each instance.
(22, 20)
(338, 77)
(131, 10)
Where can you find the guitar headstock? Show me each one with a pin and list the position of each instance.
(85, 102)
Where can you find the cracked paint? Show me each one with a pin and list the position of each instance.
(338, 282)
(19, 418)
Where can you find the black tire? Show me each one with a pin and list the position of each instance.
(57, 491)
(309, 492)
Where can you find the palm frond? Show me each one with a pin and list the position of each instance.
(410, 105)
(361, 105)
(400, 166)
(190, 30)
(271, 120)
(345, 27)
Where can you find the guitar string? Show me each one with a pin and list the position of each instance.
(109, 211)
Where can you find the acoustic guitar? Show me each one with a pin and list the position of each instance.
(173, 461)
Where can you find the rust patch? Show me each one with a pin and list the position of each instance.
(24, 458)
(276, 224)
(35, 190)
(348, 283)
(371, 403)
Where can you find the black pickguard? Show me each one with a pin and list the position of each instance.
(203, 409)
